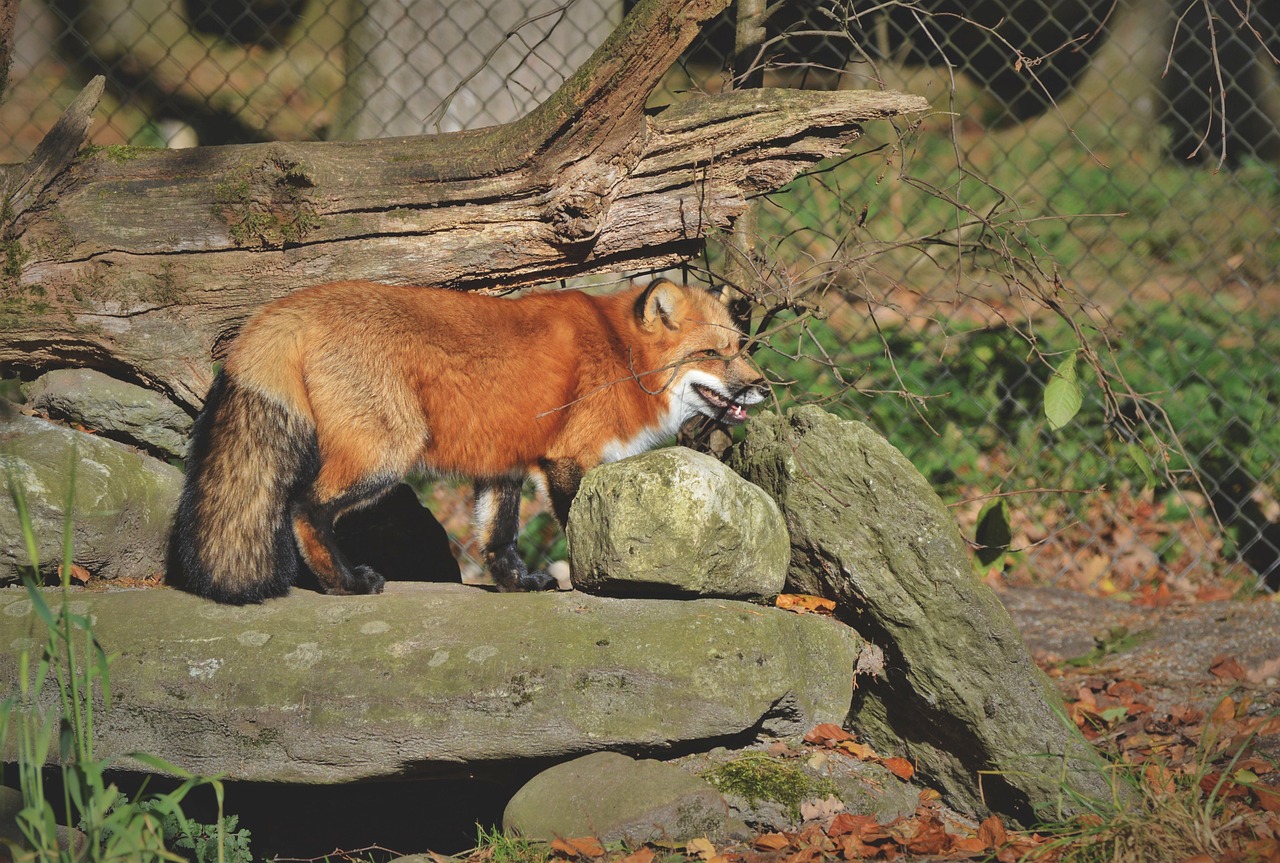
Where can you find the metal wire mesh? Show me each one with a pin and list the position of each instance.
(1126, 148)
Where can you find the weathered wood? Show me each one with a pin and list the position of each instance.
(54, 153)
(143, 262)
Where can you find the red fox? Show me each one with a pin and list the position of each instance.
(331, 395)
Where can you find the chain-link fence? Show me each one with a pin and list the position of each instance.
(1115, 160)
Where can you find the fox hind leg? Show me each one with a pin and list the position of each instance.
(314, 516)
(498, 520)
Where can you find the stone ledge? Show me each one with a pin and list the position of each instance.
(432, 678)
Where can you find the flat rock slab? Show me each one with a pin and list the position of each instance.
(428, 678)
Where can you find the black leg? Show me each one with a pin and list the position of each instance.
(564, 475)
(498, 520)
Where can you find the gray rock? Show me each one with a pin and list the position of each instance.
(770, 793)
(959, 693)
(674, 522)
(428, 679)
(121, 410)
(616, 798)
(11, 803)
(123, 507)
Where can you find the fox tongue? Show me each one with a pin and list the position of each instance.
(737, 411)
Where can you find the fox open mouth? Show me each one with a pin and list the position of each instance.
(731, 412)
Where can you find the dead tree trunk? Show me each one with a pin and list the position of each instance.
(143, 262)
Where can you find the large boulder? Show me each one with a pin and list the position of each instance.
(675, 522)
(123, 505)
(432, 678)
(959, 694)
(120, 410)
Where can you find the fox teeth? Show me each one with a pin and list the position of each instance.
(734, 409)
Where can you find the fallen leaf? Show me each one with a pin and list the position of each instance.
(804, 602)
(860, 751)
(78, 573)
(969, 845)
(779, 749)
(992, 833)
(700, 847)
(1214, 593)
(899, 767)
(584, 846)
(1159, 778)
(770, 842)
(1227, 668)
(820, 809)
(846, 823)
(827, 734)
(1268, 797)
(1225, 711)
(643, 854)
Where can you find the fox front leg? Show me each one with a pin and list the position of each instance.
(498, 521)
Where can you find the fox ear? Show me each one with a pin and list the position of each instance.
(720, 293)
(657, 304)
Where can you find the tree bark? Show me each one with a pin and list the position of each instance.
(8, 20)
(144, 262)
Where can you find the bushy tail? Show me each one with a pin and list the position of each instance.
(233, 536)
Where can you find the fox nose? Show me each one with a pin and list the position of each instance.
(755, 390)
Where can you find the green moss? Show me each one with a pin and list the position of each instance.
(121, 153)
(756, 776)
(14, 257)
(267, 206)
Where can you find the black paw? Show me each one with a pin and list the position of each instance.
(539, 580)
(366, 580)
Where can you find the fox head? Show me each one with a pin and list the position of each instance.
(694, 355)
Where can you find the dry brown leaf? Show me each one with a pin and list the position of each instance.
(820, 809)
(992, 833)
(846, 823)
(1227, 668)
(827, 734)
(1268, 797)
(1159, 778)
(1225, 711)
(861, 751)
(969, 845)
(770, 842)
(78, 573)
(900, 767)
(643, 854)
(700, 847)
(583, 846)
(804, 602)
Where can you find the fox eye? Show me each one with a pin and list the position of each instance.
(707, 354)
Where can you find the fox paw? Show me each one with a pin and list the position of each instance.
(366, 580)
(538, 580)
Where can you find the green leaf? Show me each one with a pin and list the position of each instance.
(1062, 395)
(1113, 714)
(993, 534)
(1143, 461)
